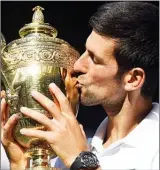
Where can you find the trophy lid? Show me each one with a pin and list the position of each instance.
(38, 25)
(38, 44)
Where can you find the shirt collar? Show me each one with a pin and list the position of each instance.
(97, 140)
(146, 131)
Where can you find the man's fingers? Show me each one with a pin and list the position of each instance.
(49, 105)
(35, 133)
(63, 101)
(4, 112)
(55, 101)
(8, 127)
(3, 94)
(39, 117)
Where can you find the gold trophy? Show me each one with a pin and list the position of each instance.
(32, 63)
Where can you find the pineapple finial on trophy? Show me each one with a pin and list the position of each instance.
(38, 25)
(38, 16)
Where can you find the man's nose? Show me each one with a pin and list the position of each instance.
(81, 65)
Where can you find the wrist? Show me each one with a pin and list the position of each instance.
(69, 161)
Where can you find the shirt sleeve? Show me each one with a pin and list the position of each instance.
(4, 160)
(155, 162)
(57, 163)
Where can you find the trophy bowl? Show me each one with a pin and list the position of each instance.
(30, 63)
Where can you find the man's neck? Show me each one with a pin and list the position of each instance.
(120, 124)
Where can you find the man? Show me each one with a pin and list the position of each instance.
(118, 70)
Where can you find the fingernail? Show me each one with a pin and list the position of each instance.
(52, 85)
(14, 116)
(34, 93)
(23, 109)
(3, 100)
(23, 131)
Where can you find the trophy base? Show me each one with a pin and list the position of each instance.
(39, 159)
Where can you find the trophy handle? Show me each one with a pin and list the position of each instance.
(3, 45)
(3, 41)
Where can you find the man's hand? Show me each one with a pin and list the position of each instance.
(14, 151)
(63, 133)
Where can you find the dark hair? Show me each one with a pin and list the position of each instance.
(135, 26)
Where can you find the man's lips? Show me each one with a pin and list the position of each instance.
(79, 86)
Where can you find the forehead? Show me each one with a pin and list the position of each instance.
(100, 44)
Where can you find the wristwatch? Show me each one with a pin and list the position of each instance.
(85, 160)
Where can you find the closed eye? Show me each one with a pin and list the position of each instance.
(93, 59)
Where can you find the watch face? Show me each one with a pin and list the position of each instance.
(89, 160)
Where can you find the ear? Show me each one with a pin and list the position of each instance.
(134, 79)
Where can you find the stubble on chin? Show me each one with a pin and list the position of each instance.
(88, 99)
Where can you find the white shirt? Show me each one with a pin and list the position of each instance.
(139, 150)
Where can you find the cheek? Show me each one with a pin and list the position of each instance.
(100, 76)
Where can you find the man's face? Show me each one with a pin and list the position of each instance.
(98, 83)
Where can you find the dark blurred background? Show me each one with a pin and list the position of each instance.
(70, 18)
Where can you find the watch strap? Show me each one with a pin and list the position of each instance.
(76, 165)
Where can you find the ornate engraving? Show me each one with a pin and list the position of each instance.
(45, 55)
(45, 50)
